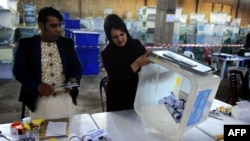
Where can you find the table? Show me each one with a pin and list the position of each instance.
(213, 126)
(127, 125)
(78, 124)
(243, 61)
(227, 58)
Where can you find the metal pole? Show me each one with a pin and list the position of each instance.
(237, 9)
(196, 6)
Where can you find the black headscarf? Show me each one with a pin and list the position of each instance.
(113, 21)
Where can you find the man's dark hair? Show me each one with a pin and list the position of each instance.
(48, 11)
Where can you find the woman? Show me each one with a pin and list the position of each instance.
(122, 59)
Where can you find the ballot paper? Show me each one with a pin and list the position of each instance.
(56, 129)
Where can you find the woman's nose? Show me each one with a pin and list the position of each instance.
(119, 38)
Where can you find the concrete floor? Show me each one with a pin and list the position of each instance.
(88, 101)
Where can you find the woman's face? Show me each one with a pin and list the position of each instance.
(118, 37)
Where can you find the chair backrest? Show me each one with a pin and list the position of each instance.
(233, 97)
(189, 54)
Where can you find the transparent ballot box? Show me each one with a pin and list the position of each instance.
(175, 93)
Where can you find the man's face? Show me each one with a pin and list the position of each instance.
(119, 37)
(51, 30)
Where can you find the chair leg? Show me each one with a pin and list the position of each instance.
(23, 111)
(102, 86)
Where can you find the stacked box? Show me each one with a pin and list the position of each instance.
(6, 63)
(199, 38)
(86, 38)
(87, 49)
(67, 32)
(66, 16)
(29, 15)
(6, 70)
(88, 57)
(72, 23)
(6, 35)
(91, 68)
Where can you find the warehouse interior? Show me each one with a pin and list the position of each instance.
(202, 27)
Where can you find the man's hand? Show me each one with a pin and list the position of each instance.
(71, 80)
(45, 89)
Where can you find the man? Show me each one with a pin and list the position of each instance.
(43, 64)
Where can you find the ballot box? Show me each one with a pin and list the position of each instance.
(175, 93)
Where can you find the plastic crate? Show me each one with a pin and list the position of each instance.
(66, 16)
(199, 39)
(6, 70)
(30, 20)
(91, 68)
(86, 38)
(28, 31)
(67, 32)
(87, 54)
(6, 35)
(72, 23)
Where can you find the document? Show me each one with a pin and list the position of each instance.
(56, 129)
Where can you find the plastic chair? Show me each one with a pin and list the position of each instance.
(189, 54)
(103, 86)
(232, 99)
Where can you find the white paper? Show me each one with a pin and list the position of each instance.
(56, 128)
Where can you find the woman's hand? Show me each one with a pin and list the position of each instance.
(141, 61)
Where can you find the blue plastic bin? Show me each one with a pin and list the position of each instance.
(30, 20)
(91, 68)
(72, 23)
(66, 16)
(67, 32)
(86, 38)
(87, 54)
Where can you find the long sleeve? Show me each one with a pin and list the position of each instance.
(117, 62)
